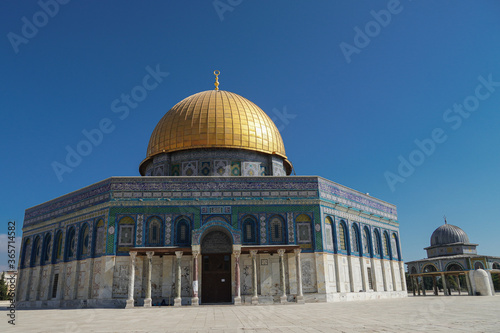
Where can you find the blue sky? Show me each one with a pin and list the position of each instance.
(352, 86)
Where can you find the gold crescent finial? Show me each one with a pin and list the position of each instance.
(216, 73)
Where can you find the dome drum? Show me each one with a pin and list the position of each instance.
(214, 162)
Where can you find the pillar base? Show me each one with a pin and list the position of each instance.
(300, 300)
(195, 301)
(147, 302)
(130, 304)
(177, 301)
(237, 301)
(255, 300)
(283, 300)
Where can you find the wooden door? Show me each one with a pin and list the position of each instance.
(216, 278)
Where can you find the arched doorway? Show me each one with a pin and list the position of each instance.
(216, 249)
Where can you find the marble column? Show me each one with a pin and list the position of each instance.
(457, 279)
(195, 301)
(423, 285)
(131, 280)
(178, 299)
(300, 295)
(148, 301)
(237, 278)
(417, 284)
(283, 298)
(434, 285)
(255, 297)
(413, 285)
(445, 287)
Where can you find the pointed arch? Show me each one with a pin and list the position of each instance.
(58, 246)
(154, 231)
(183, 231)
(70, 246)
(329, 233)
(342, 235)
(385, 245)
(377, 244)
(249, 230)
(26, 255)
(355, 244)
(277, 230)
(36, 251)
(367, 242)
(84, 241)
(99, 238)
(46, 249)
(395, 250)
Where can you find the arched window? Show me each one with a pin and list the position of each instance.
(496, 265)
(126, 231)
(367, 248)
(84, 241)
(100, 241)
(182, 233)
(376, 244)
(250, 231)
(329, 232)
(354, 238)
(58, 245)
(276, 227)
(154, 232)
(46, 249)
(342, 236)
(478, 265)
(37, 249)
(25, 258)
(454, 267)
(429, 268)
(394, 247)
(70, 244)
(385, 244)
(413, 270)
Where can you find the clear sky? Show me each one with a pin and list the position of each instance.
(351, 84)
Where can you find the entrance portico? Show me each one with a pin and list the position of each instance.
(220, 277)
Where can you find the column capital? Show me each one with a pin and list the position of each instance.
(253, 253)
(281, 252)
(150, 254)
(195, 254)
(237, 254)
(133, 254)
(297, 251)
(178, 254)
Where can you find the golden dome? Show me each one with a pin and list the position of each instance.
(216, 119)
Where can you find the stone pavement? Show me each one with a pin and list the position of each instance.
(412, 314)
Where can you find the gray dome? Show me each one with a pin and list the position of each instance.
(448, 234)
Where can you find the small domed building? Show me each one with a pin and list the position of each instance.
(451, 254)
(215, 217)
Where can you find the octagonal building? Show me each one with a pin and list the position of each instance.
(215, 217)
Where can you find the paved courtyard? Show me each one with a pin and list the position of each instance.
(429, 314)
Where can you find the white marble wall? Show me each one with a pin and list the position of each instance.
(325, 277)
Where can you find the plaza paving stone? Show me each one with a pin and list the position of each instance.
(411, 314)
